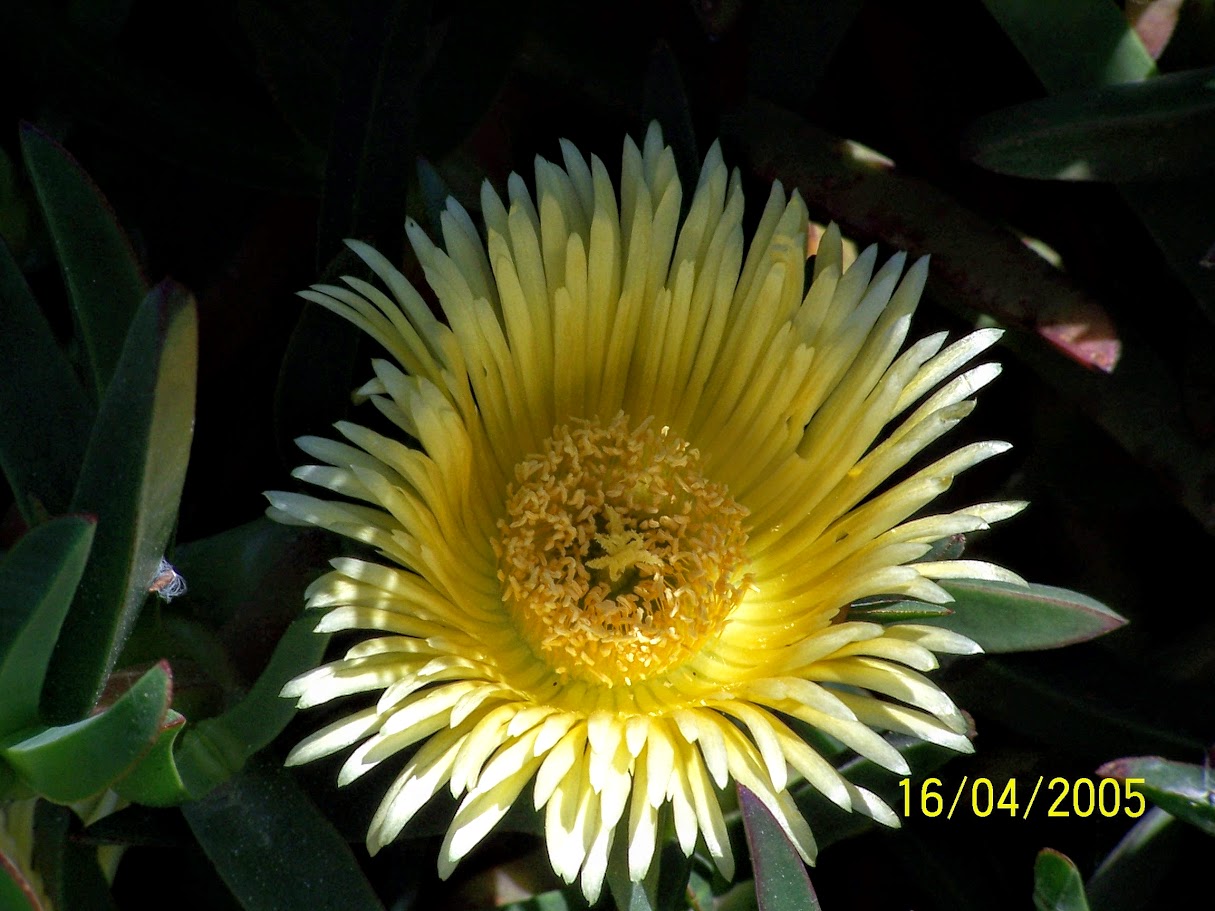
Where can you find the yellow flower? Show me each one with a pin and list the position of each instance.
(645, 487)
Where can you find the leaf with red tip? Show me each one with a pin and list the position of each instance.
(75, 761)
(1057, 883)
(1186, 791)
(1020, 618)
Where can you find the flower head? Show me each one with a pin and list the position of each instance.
(652, 469)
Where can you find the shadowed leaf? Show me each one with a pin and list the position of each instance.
(103, 279)
(1159, 128)
(217, 748)
(976, 264)
(1087, 43)
(273, 847)
(37, 581)
(372, 144)
(46, 412)
(131, 480)
(1131, 874)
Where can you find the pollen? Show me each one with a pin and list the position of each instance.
(617, 558)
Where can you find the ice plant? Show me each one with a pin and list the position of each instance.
(18, 849)
(652, 469)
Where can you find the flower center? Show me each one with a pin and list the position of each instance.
(618, 558)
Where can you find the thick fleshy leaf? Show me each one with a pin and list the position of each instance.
(1184, 790)
(155, 780)
(317, 372)
(781, 881)
(131, 480)
(274, 849)
(47, 415)
(1012, 618)
(1057, 883)
(37, 581)
(1073, 45)
(796, 48)
(468, 57)
(1160, 128)
(75, 761)
(261, 562)
(977, 264)
(70, 871)
(217, 748)
(150, 106)
(103, 278)
(372, 144)
(1088, 43)
(1130, 876)
(666, 101)
(554, 900)
(16, 893)
(1092, 705)
(298, 59)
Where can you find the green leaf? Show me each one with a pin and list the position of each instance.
(155, 781)
(666, 101)
(1057, 883)
(261, 562)
(1184, 790)
(1160, 128)
(131, 480)
(469, 53)
(1092, 706)
(70, 871)
(217, 748)
(318, 370)
(225, 129)
(1012, 618)
(1130, 875)
(1087, 43)
(16, 894)
(781, 881)
(554, 900)
(1077, 44)
(37, 581)
(274, 849)
(46, 413)
(75, 761)
(797, 48)
(298, 59)
(373, 144)
(978, 264)
(99, 267)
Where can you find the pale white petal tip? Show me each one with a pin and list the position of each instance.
(292, 689)
(293, 758)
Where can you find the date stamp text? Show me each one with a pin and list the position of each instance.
(1055, 797)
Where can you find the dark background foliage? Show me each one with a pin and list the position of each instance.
(239, 141)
